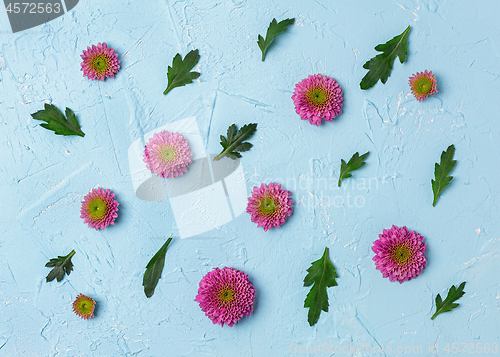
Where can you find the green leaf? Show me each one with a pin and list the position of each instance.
(441, 172)
(323, 275)
(449, 303)
(179, 74)
(154, 269)
(56, 121)
(355, 162)
(234, 144)
(274, 29)
(380, 66)
(61, 265)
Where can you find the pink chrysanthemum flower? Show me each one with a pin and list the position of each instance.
(99, 208)
(167, 154)
(399, 254)
(423, 84)
(84, 306)
(226, 295)
(318, 97)
(270, 205)
(99, 62)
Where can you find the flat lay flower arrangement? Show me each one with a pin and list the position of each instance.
(226, 295)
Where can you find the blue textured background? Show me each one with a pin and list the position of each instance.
(44, 177)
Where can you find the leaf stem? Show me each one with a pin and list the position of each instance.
(167, 242)
(218, 157)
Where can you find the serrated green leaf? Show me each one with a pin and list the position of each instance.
(274, 29)
(234, 144)
(154, 270)
(231, 132)
(61, 264)
(233, 155)
(223, 141)
(439, 301)
(56, 121)
(243, 147)
(322, 274)
(355, 162)
(441, 172)
(71, 117)
(179, 74)
(380, 66)
(449, 303)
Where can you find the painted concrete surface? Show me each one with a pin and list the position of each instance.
(44, 177)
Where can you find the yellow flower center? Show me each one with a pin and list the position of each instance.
(100, 64)
(167, 154)
(317, 96)
(401, 254)
(226, 295)
(97, 208)
(267, 205)
(423, 86)
(85, 307)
